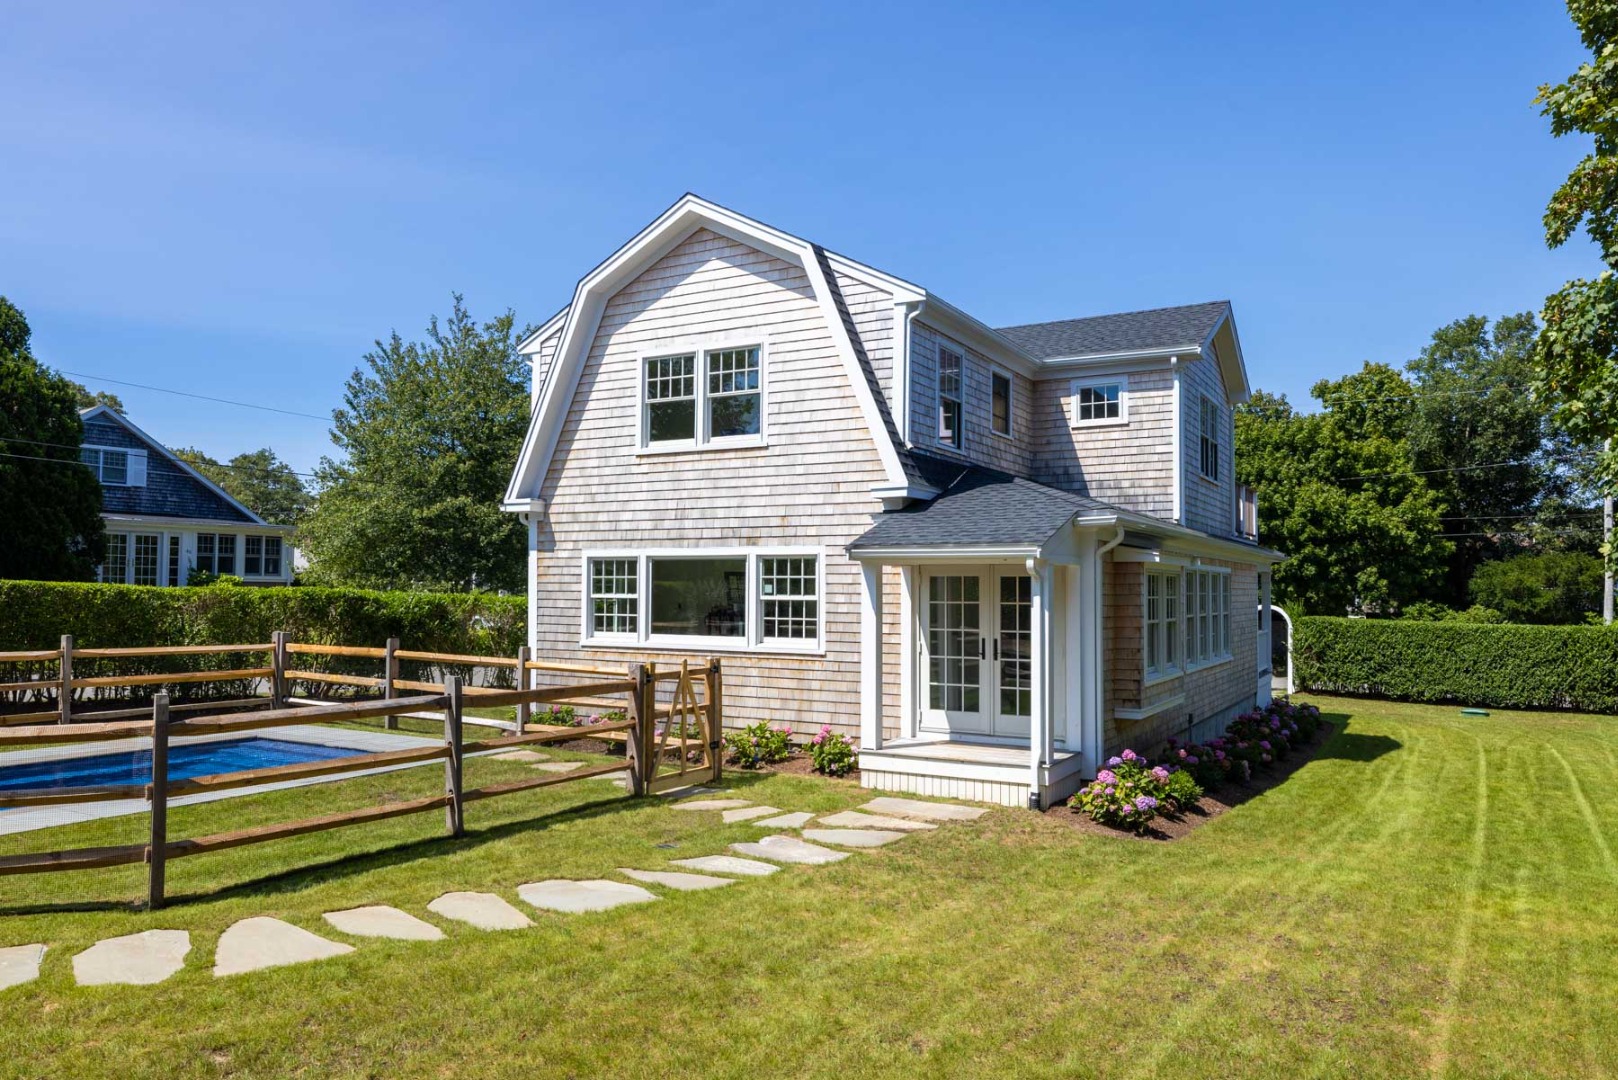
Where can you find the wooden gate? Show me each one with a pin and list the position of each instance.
(686, 739)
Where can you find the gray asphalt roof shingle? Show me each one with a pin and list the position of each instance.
(1159, 328)
(978, 506)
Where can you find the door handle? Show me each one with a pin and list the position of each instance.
(997, 649)
(982, 649)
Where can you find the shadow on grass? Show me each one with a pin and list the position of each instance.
(1352, 746)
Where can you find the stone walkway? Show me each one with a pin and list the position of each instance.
(263, 942)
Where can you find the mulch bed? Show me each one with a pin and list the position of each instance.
(1207, 808)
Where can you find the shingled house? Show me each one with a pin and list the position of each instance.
(998, 555)
(164, 519)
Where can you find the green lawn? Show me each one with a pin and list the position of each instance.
(1432, 895)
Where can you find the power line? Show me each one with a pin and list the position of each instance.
(199, 397)
(1251, 407)
(199, 468)
(1450, 469)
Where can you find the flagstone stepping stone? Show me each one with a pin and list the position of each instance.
(382, 921)
(673, 879)
(928, 811)
(853, 837)
(20, 964)
(133, 960)
(559, 766)
(485, 911)
(263, 942)
(789, 849)
(713, 804)
(853, 819)
(689, 792)
(729, 864)
(520, 755)
(786, 821)
(748, 813)
(577, 896)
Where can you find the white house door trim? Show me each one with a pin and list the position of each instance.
(976, 660)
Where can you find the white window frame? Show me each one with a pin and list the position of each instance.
(1093, 382)
(959, 400)
(998, 372)
(99, 468)
(1217, 439)
(1162, 633)
(1206, 617)
(701, 349)
(752, 641)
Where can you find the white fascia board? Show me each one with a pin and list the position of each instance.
(903, 291)
(214, 524)
(904, 491)
(523, 506)
(932, 553)
(1232, 364)
(583, 318)
(528, 347)
(1093, 359)
(129, 424)
(953, 322)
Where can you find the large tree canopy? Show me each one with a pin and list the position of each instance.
(258, 480)
(429, 431)
(1577, 353)
(50, 524)
(1337, 493)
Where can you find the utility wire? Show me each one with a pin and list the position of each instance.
(199, 397)
(210, 465)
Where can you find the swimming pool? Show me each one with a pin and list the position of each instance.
(185, 761)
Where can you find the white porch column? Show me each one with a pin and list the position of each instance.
(1040, 745)
(870, 656)
(908, 577)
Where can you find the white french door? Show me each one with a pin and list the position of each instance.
(976, 652)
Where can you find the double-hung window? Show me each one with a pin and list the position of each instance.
(111, 467)
(216, 553)
(720, 598)
(704, 397)
(951, 417)
(1162, 622)
(1212, 417)
(1098, 402)
(1000, 403)
(261, 556)
(1207, 616)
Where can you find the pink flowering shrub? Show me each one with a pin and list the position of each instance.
(1128, 793)
(751, 747)
(831, 753)
(1256, 739)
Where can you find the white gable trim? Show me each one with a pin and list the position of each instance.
(99, 410)
(582, 318)
(530, 345)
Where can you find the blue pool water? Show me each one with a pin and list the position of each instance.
(185, 761)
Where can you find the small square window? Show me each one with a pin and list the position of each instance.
(1100, 403)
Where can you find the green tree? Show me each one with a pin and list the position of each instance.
(87, 398)
(258, 480)
(1576, 357)
(1551, 587)
(1483, 441)
(50, 529)
(429, 431)
(1338, 493)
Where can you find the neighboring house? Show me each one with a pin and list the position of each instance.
(165, 519)
(998, 556)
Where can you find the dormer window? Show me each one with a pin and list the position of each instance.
(950, 418)
(703, 398)
(110, 466)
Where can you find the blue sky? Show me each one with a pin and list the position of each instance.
(237, 200)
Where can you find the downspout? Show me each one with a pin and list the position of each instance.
(901, 368)
(1177, 421)
(1098, 662)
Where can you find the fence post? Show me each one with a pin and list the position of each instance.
(716, 717)
(636, 745)
(278, 669)
(524, 654)
(159, 799)
(64, 695)
(390, 672)
(453, 818)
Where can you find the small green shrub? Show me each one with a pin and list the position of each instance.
(832, 753)
(751, 747)
(1181, 790)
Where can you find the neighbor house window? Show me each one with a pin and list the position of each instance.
(1209, 443)
(1162, 622)
(144, 564)
(114, 569)
(696, 398)
(729, 598)
(174, 561)
(1207, 616)
(1100, 402)
(272, 556)
(110, 466)
(1000, 403)
(949, 397)
(216, 553)
(614, 596)
(261, 556)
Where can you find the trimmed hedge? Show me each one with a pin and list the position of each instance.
(1504, 666)
(35, 614)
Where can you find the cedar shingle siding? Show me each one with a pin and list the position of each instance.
(169, 492)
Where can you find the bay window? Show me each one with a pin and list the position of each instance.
(1162, 622)
(703, 599)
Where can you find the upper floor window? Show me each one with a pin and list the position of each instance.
(950, 414)
(1000, 403)
(1209, 443)
(1100, 401)
(696, 399)
(110, 466)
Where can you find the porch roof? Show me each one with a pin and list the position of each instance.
(980, 507)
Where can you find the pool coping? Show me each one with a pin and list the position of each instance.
(31, 820)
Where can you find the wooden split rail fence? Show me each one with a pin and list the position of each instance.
(667, 745)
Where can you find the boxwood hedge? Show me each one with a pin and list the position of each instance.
(35, 614)
(1504, 666)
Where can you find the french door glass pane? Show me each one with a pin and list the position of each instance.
(954, 642)
(145, 559)
(1016, 640)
